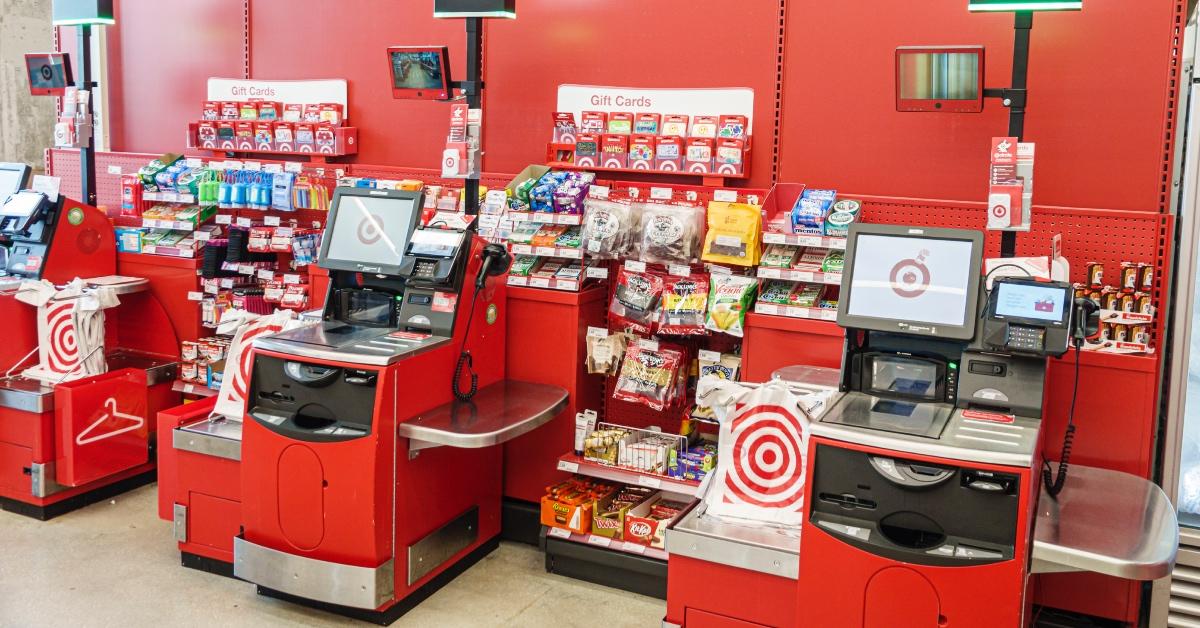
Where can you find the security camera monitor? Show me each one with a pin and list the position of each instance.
(49, 73)
(947, 79)
(420, 72)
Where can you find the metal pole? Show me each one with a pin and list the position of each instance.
(87, 154)
(474, 93)
(1023, 24)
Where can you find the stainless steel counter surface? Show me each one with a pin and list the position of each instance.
(1106, 522)
(498, 413)
(766, 549)
(216, 436)
(361, 345)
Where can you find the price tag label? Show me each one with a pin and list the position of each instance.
(244, 222)
(561, 533)
(195, 162)
(539, 282)
(150, 250)
(593, 246)
(569, 285)
(266, 274)
(273, 168)
(271, 221)
(202, 236)
(170, 197)
(649, 482)
(692, 196)
(719, 270)
(233, 164)
(753, 199)
(293, 166)
(148, 223)
(662, 194)
(340, 173)
(115, 170)
(569, 467)
(224, 219)
(522, 249)
(635, 266)
(634, 548)
(648, 343)
(599, 191)
(252, 166)
(597, 332)
(597, 272)
(634, 193)
(769, 273)
(291, 279)
(599, 541)
(544, 250)
(709, 356)
(246, 269)
(679, 270)
(227, 282)
(189, 389)
(571, 253)
(195, 296)
(517, 281)
(211, 288)
(725, 196)
(774, 238)
(802, 275)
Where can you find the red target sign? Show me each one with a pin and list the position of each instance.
(63, 352)
(768, 459)
(910, 277)
(370, 230)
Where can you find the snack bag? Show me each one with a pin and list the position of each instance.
(608, 228)
(728, 301)
(649, 377)
(635, 303)
(684, 304)
(670, 233)
(734, 234)
(604, 354)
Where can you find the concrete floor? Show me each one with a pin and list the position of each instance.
(115, 564)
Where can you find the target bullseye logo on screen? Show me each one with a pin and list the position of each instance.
(910, 277)
(769, 452)
(370, 230)
(64, 343)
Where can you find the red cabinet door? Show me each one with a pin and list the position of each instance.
(101, 425)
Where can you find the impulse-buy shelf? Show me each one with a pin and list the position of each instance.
(188, 388)
(796, 239)
(807, 276)
(566, 285)
(547, 218)
(572, 463)
(605, 542)
(795, 311)
(547, 251)
(605, 565)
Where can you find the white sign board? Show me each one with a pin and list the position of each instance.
(693, 102)
(286, 92)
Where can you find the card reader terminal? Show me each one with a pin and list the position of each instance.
(1028, 317)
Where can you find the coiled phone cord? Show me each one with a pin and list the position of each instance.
(466, 362)
(1054, 482)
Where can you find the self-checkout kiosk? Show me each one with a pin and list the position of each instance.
(65, 440)
(922, 504)
(370, 472)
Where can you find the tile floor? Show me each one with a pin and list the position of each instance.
(115, 564)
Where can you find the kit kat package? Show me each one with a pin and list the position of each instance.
(669, 154)
(641, 152)
(587, 150)
(614, 149)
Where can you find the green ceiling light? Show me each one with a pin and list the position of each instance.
(475, 8)
(1024, 5)
(83, 12)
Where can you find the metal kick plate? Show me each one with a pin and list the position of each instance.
(41, 478)
(220, 438)
(430, 552)
(180, 520)
(311, 579)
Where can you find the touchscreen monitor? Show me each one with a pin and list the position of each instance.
(945, 79)
(420, 72)
(369, 230)
(49, 73)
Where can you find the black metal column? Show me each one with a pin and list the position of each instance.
(474, 94)
(87, 154)
(1016, 101)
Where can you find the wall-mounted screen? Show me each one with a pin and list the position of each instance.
(420, 72)
(49, 73)
(943, 79)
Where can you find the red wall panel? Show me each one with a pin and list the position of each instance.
(1098, 100)
(159, 62)
(628, 43)
(303, 39)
